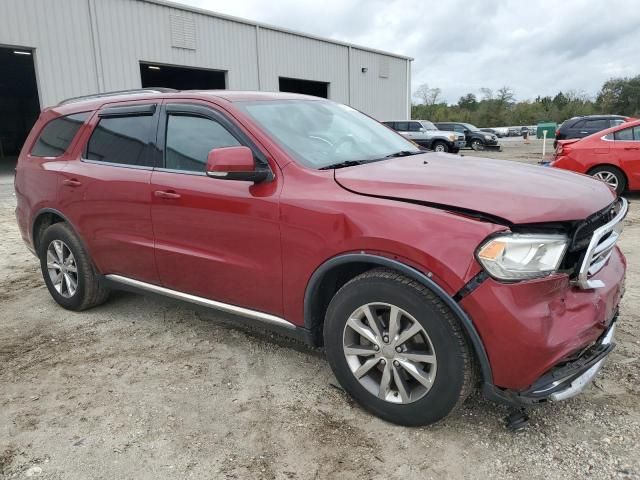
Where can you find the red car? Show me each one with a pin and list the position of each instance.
(612, 155)
(423, 275)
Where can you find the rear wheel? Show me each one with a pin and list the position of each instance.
(441, 147)
(67, 270)
(610, 175)
(397, 349)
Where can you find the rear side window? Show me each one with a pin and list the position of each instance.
(190, 139)
(599, 124)
(122, 140)
(628, 134)
(57, 135)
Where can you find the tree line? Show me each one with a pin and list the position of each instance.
(491, 108)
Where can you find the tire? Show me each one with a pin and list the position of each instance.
(441, 147)
(60, 241)
(455, 150)
(477, 144)
(612, 176)
(450, 376)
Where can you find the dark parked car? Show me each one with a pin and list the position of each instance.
(422, 277)
(493, 131)
(476, 138)
(580, 127)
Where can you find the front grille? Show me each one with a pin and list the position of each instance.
(597, 235)
(461, 137)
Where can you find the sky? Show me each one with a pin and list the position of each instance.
(535, 47)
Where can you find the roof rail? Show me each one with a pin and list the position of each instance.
(150, 90)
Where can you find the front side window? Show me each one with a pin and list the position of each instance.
(616, 121)
(414, 127)
(190, 139)
(122, 140)
(402, 126)
(57, 135)
(319, 133)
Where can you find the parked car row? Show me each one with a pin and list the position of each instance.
(427, 135)
(580, 127)
(444, 136)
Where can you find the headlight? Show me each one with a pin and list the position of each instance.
(516, 256)
(487, 137)
(452, 138)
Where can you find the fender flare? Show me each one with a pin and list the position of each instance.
(473, 335)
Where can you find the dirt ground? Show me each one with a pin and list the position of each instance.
(151, 389)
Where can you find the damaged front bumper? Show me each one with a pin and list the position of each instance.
(563, 381)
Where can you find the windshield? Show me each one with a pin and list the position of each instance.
(320, 133)
(428, 125)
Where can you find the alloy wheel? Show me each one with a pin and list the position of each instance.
(440, 148)
(62, 268)
(389, 353)
(607, 177)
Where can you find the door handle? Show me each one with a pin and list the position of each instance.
(169, 194)
(71, 182)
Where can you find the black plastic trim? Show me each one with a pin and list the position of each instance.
(127, 110)
(316, 280)
(471, 285)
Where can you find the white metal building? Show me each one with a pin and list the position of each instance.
(52, 50)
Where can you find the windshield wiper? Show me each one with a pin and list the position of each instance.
(346, 163)
(404, 153)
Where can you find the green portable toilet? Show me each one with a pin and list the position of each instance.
(550, 128)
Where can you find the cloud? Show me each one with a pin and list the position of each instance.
(536, 48)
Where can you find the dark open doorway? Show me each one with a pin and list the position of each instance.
(307, 87)
(181, 78)
(19, 102)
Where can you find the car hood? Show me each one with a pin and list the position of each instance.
(507, 192)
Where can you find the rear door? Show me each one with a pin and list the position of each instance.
(106, 191)
(218, 239)
(627, 150)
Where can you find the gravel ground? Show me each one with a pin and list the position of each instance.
(146, 388)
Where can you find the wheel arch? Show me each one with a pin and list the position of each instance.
(45, 218)
(337, 271)
(606, 164)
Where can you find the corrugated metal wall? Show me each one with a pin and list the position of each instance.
(84, 46)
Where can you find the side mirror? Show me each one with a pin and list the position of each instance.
(466, 131)
(422, 130)
(236, 163)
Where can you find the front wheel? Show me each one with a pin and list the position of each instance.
(612, 176)
(440, 147)
(397, 349)
(477, 144)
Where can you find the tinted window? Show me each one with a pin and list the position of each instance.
(578, 124)
(414, 127)
(626, 134)
(190, 139)
(402, 126)
(597, 124)
(57, 135)
(616, 121)
(122, 140)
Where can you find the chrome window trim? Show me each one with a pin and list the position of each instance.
(598, 253)
(116, 164)
(205, 302)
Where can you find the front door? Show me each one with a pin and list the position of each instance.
(218, 239)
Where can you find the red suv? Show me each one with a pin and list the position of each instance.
(422, 276)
